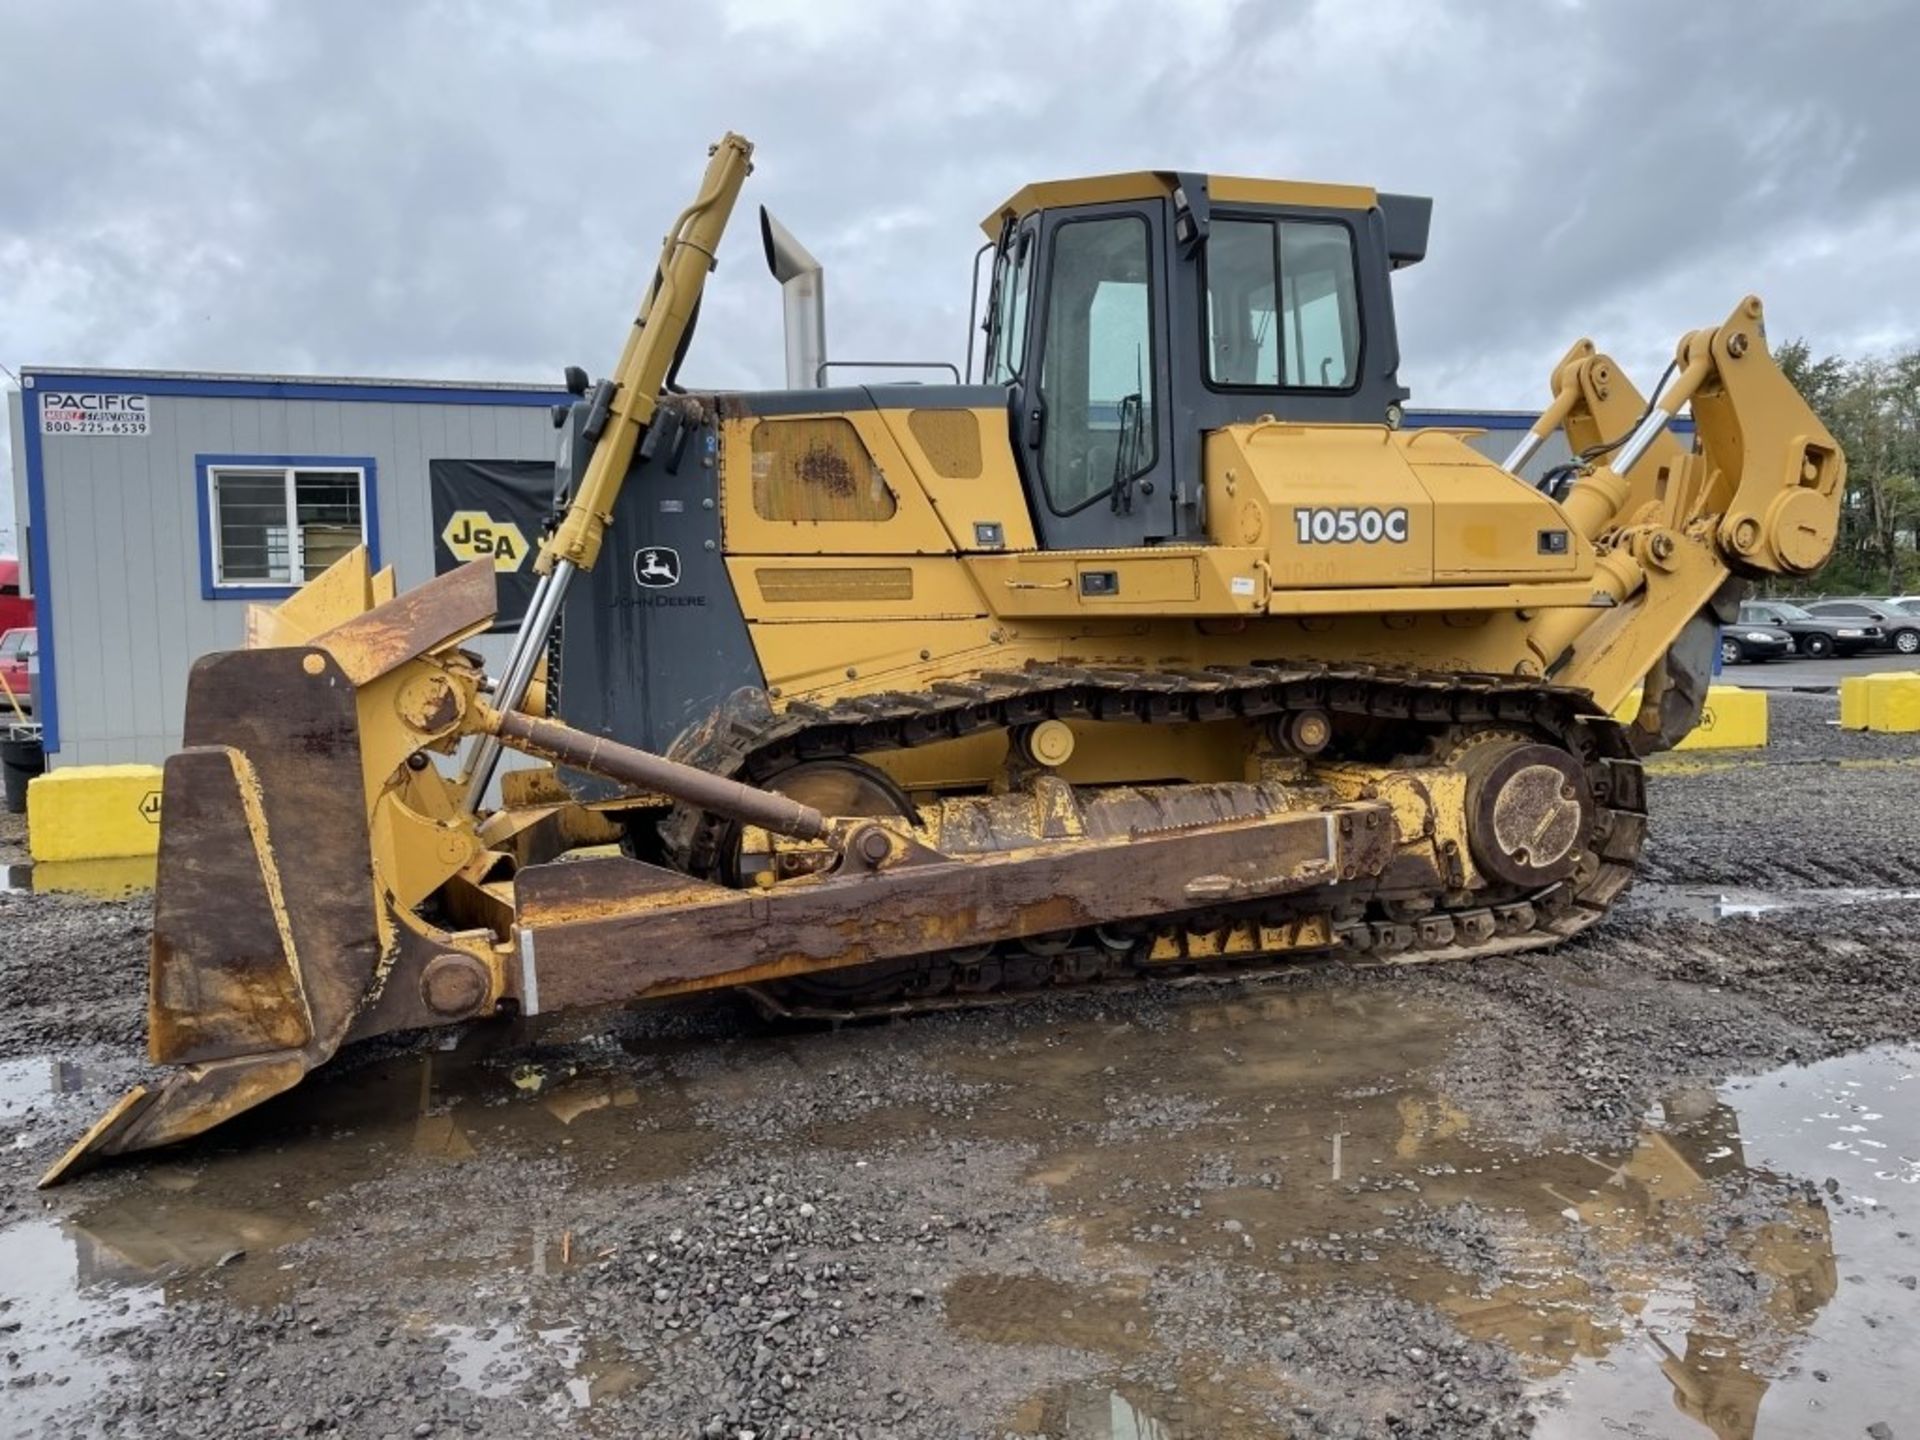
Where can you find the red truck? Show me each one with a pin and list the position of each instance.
(17, 635)
(16, 610)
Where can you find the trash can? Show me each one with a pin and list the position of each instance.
(20, 761)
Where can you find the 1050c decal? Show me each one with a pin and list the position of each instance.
(1330, 525)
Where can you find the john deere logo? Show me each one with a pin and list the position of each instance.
(476, 535)
(657, 567)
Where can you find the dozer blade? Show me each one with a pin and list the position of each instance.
(265, 929)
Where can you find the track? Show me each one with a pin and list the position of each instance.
(1377, 714)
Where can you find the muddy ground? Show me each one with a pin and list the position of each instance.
(1663, 1182)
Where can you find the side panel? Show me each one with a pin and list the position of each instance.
(822, 484)
(1488, 529)
(964, 461)
(1360, 507)
(652, 639)
(1309, 490)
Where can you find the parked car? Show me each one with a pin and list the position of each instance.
(1812, 635)
(17, 647)
(1743, 642)
(1899, 629)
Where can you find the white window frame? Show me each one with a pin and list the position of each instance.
(296, 536)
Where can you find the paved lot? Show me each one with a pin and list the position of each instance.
(1815, 674)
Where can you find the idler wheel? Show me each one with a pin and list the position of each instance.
(1528, 811)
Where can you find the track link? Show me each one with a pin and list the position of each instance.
(1407, 710)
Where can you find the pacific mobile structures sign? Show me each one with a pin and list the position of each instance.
(88, 412)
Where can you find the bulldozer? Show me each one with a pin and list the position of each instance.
(1158, 647)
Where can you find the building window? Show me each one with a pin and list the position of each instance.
(272, 523)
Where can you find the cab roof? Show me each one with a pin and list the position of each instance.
(1155, 184)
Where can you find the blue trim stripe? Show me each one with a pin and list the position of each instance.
(1515, 420)
(383, 392)
(39, 564)
(210, 587)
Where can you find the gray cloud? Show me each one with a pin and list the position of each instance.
(476, 190)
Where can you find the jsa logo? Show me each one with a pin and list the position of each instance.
(1330, 525)
(476, 535)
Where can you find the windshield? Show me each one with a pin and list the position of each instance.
(1788, 612)
(16, 644)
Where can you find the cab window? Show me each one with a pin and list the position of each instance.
(1096, 369)
(1282, 305)
(1014, 267)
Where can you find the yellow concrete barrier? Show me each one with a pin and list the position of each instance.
(1732, 719)
(114, 878)
(94, 812)
(1889, 701)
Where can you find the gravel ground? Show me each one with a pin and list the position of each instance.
(1345, 1202)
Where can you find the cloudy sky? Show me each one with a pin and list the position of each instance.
(475, 189)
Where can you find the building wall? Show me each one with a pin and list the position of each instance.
(117, 533)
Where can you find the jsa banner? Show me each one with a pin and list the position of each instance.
(492, 510)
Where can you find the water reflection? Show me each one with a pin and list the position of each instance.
(190, 1216)
(1308, 1143)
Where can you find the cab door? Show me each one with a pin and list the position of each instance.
(1090, 405)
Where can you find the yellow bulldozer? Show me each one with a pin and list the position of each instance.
(1158, 646)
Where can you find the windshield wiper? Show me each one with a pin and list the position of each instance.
(1126, 452)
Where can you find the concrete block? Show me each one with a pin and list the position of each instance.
(94, 812)
(1853, 702)
(1732, 719)
(1887, 702)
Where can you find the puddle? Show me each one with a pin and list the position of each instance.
(1300, 1142)
(1105, 1409)
(552, 1367)
(1851, 1125)
(268, 1179)
(59, 1320)
(216, 1216)
(1287, 1146)
(1709, 902)
(1034, 1310)
(25, 1085)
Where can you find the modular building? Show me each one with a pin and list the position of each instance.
(156, 505)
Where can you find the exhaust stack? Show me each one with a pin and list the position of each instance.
(803, 298)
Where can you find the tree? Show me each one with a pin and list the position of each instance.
(1872, 405)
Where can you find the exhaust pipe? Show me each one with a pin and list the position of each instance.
(803, 299)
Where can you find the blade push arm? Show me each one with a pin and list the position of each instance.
(685, 258)
(630, 396)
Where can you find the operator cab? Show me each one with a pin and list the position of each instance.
(1128, 315)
